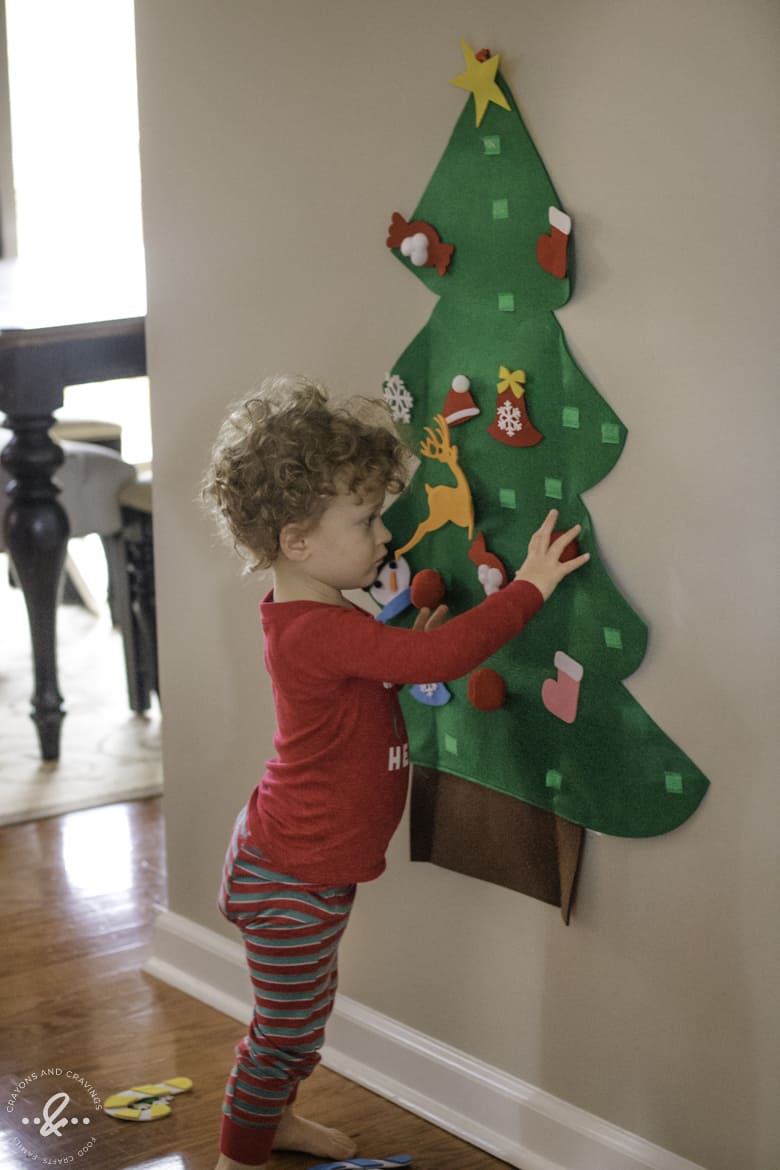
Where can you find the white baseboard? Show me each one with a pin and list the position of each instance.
(507, 1117)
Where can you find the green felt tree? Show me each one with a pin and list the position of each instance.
(489, 238)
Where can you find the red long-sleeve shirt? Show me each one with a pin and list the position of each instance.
(332, 797)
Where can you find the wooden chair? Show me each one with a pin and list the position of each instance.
(102, 434)
(130, 553)
(88, 430)
(90, 479)
(139, 630)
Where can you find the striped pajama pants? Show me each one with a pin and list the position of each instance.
(291, 933)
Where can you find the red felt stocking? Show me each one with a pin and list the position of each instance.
(551, 250)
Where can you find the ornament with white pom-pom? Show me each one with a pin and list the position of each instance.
(415, 248)
(420, 243)
(459, 405)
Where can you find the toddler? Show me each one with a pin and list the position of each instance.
(299, 483)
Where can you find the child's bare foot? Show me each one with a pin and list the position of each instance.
(295, 1133)
(226, 1163)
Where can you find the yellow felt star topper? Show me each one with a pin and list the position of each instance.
(480, 79)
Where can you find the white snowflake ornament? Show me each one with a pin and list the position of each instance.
(509, 419)
(397, 398)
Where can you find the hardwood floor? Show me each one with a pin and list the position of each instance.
(78, 1017)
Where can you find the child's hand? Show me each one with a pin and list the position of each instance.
(543, 566)
(428, 621)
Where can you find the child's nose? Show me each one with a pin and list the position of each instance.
(382, 533)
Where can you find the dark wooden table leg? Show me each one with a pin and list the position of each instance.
(36, 536)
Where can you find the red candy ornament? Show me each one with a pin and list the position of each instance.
(420, 243)
(486, 689)
(428, 589)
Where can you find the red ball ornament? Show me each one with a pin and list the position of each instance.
(428, 589)
(486, 689)
(571, 551)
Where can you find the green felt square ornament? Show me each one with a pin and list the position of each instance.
(610, 433)
(500, 209)
(553, 779)
(507, 497)
(673, 782)
(613, 638)
(492, 144)
(553, 488)
(506, 302)
(570, 416)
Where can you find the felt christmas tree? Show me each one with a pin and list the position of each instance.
(551, 722)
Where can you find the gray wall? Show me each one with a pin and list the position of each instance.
(276, 141)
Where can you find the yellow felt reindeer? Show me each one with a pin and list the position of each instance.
(445, 504)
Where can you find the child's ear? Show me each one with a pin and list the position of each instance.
(293, 542)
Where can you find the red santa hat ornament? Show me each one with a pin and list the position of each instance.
(459, 406)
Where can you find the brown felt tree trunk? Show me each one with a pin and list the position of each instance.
(497, 838)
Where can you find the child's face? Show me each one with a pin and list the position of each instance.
(348, 543)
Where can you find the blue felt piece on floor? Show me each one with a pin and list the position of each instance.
(367, 1163)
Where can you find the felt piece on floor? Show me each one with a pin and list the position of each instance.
(146, 1102)
(149, 1109)
(490, 192)
(488, 835)
(391, 1163)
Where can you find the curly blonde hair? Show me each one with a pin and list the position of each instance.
(282, 454)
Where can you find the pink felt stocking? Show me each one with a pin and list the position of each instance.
(560, 696)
